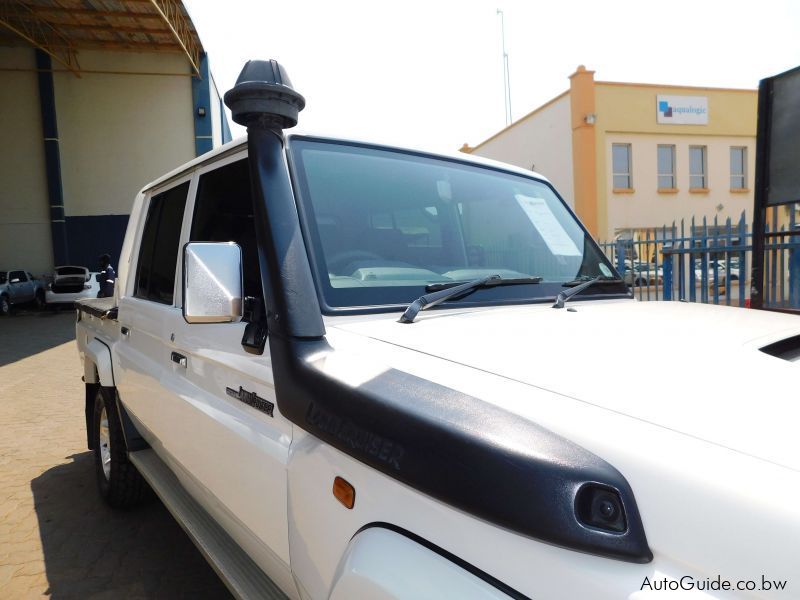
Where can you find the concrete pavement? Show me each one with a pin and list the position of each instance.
(57, 538)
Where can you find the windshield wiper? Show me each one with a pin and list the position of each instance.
(562, 297)
(428, 300)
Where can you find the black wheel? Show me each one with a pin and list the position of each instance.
(38, 301)
(120, 484)
(5, 306)
(640, 282)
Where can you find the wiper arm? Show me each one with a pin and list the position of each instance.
(428, 300)
(562, 297)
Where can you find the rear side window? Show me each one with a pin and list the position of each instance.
(18, 275)
(158, 253)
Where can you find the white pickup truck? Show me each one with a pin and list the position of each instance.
(269, 367)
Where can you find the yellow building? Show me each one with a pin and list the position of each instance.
(632, 157)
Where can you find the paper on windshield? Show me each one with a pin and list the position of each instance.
(553, 234)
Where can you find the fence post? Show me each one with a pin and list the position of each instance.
(794, 262)
(666, 265)
(621, 257)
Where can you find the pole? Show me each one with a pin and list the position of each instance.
(506, 73)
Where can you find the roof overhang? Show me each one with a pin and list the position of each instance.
(61, 28)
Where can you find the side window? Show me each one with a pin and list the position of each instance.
(158, 252)
(223, 212)
(18, 275)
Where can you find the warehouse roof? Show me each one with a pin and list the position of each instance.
(63, 27)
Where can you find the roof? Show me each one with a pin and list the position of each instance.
(63, 27)
(240, 144)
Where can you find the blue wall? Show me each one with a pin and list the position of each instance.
(91, 236)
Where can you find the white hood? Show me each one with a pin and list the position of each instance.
(695, 369)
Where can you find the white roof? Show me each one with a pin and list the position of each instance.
(241, 144)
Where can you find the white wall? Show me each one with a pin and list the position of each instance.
(542, 139)
(646, 207)
(119, 132)
(25, 240)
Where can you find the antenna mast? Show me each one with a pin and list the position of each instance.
(506, 74)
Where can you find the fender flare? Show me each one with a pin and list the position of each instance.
(97, 368)
(417, 568)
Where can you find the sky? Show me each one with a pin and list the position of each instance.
(430, 74)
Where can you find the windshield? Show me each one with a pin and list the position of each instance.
(384, 224)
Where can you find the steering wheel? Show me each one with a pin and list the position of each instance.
(341, 259)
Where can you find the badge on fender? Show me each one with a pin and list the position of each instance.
(251, 399)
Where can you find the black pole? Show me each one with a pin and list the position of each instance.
(52, 159)
(264, 101)
(761, 191)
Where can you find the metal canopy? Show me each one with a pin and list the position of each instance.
(63, 27)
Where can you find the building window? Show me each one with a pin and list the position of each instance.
(621, 165)
(666, 167)
(698, 177)
(738, 168)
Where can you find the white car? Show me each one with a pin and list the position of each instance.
(71, 283)
(357, 371)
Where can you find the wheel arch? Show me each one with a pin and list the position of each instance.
(363, 569)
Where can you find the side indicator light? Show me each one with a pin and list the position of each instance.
(344, 492)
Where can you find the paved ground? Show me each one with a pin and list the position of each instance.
(57, 538)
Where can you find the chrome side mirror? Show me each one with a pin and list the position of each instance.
(212, 282)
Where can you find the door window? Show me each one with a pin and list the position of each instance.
(158, 252)
(224, 213)
(18, 275)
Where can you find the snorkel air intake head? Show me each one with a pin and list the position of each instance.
(264, 96)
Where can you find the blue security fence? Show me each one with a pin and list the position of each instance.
(708, 261)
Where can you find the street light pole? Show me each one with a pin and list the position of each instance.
(506, 74)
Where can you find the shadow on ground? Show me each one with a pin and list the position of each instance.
(22, 334)
(93, 551)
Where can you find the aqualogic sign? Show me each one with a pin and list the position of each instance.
(682, 110)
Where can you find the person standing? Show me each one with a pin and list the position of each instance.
(106, 277)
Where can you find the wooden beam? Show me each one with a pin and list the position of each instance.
(90, 12)
(98, 72)
(112, 28)
(131, 45)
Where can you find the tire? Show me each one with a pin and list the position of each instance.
(5, 306)
(640, 283)
(118, 481)
(38, 301)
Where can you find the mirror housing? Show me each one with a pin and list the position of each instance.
(212, 282)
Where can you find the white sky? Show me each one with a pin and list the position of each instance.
(430, 73)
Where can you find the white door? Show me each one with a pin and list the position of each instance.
(224, 427)
(141, 356)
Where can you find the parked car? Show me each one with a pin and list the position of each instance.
(269, 365)
(20, 287)
(71, 283)
(642, 274)
(733, 272)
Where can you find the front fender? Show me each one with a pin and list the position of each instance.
(384, 564)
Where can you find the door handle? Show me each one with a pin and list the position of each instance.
(178, 358)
